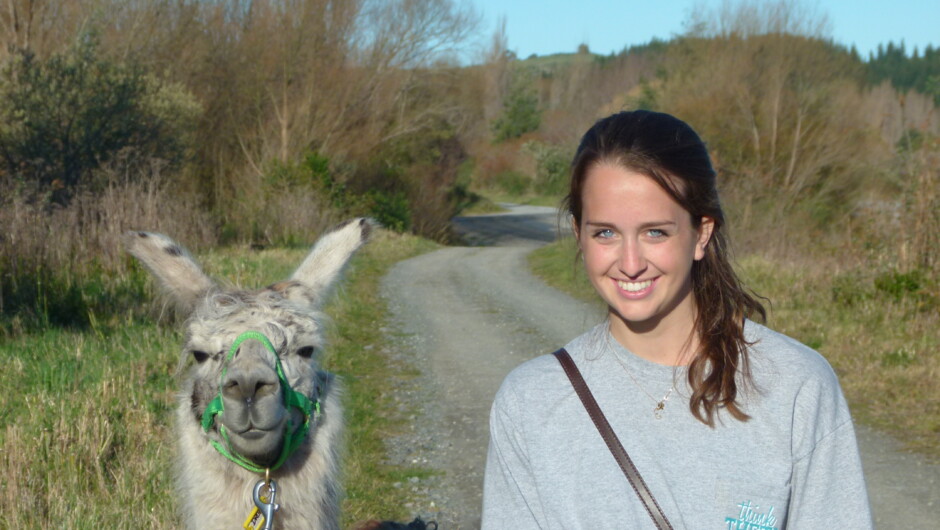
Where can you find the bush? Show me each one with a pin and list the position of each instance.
(552, 167)
(512, 182)
(900, 284)
(63, 117)
(521, 112)
(391, 210)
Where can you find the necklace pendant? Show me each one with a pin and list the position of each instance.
(658, 411)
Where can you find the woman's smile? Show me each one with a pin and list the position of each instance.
(634, 288)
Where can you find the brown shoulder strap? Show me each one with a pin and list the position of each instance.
(610, 438)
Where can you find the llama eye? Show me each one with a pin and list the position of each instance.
(200, 356)
(306, 352)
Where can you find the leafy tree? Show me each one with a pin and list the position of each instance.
(552, 167)
(521, 112)
(63, 117)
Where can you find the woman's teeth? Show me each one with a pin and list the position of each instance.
(634, 286)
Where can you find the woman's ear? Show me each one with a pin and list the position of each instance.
(576, 230)
(705, 229)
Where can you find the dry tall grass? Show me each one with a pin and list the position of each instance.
(47, 252)
(87, 230)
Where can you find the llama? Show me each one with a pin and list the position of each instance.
(255, 388)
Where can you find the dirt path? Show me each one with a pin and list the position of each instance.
(468, 315)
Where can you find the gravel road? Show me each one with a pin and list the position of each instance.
(465, 316)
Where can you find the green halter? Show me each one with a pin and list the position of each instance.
(292, 398)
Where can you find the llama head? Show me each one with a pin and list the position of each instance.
(258, 411)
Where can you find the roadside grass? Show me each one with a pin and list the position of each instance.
(481, 206)
(879, 330)
(356, 354)
(85, 416)
(883, 344)
(557, 263)
(496, 196)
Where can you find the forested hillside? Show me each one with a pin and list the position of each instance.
(264, 121)
(919, 70)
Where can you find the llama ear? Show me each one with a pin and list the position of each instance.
(323, 266)
(178, 272)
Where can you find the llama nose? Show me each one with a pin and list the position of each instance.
(248, 385)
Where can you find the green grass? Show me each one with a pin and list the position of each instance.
(85, 431)
(86, 412)
(558, 266)
(880, 332)
(356, 354)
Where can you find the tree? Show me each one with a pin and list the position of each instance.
(41, 27)
(521, 112)
(770, 94)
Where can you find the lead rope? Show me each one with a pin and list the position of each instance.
(265, 491)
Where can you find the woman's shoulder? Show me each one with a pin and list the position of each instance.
(528, 388)
(534, 372)
(533, 379)
(772, 352)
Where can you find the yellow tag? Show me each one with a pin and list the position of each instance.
(254, 520)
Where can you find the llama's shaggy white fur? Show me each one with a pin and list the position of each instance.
(215, 492)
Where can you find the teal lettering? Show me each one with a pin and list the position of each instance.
(750, 518)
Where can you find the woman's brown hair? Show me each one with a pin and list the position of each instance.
(667, 150)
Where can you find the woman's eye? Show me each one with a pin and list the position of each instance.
(604, 233)
(656, 233)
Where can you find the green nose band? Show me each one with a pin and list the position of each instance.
(292, 399)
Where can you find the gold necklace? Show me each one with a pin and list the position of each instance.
(660, 404)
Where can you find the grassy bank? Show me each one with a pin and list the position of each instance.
(85, 432)
(879, 330)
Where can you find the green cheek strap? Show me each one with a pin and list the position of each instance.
(292, 399)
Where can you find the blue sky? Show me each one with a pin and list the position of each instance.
(550, 26)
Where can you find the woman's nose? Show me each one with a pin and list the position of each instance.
(632, 262)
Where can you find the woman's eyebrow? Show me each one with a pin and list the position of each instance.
(652, 224)
(647, 224)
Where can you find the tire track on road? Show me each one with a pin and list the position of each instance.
(471, 314)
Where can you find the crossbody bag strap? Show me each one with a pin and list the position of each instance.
(610, 438)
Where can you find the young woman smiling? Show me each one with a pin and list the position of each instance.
(729, 424)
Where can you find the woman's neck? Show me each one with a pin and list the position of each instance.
(671, 342)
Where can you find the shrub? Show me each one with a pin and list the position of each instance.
(63, 117)
(899, 284)
(552, 167)
(512, 182)
(521, 112)
(391, 210)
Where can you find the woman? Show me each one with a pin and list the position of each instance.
(730, 424)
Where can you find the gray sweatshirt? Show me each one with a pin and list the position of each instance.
(794, 464)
